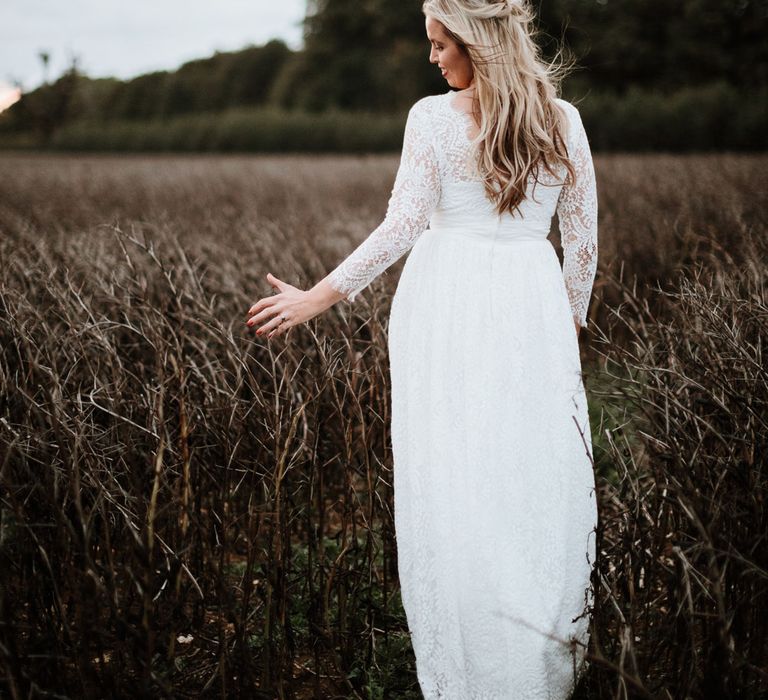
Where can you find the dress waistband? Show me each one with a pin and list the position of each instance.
(520, 236)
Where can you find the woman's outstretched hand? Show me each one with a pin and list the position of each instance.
(289, 306)
(286, 308)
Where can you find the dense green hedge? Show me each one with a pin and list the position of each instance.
(710, 118)
(239, 130)
(266, 130)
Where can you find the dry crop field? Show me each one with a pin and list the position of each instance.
(189, 511)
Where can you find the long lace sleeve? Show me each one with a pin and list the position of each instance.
(414, 196)
(577, 214)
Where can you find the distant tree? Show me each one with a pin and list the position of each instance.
(143, 97)
(45, 58)
(251, 73)
(51, 105)
(93, 99)
(662, 45)
(226, 79)
(341, 50)
(359, 54)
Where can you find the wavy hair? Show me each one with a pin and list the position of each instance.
(521, 125)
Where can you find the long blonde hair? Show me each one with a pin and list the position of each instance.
(521, 125)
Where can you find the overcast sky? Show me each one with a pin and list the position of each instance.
(127, 38)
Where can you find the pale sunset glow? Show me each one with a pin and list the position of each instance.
(9, 95)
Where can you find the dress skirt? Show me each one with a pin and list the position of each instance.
(494, 489)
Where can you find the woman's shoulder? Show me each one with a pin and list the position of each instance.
(426, 104)
(570, 109)
(422, 112)
(572, 115)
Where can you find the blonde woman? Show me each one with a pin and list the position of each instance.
(495, 505)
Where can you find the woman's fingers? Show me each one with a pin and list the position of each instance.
(268, 301)
(274, 327)
(281, 329)
(261, 304)
(270, 326)
(278, 284)
(261, 315)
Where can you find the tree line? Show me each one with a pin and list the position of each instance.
(372, 56)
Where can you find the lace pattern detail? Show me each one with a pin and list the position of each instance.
(414, 196)
(577, 215)
(438, 174)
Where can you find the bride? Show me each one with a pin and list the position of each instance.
(494, 491)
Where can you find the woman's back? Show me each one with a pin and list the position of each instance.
(463, 199)
(438, 186)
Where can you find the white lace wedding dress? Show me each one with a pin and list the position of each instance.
(495, 506)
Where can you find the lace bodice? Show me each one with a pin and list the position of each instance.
(437, 184)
